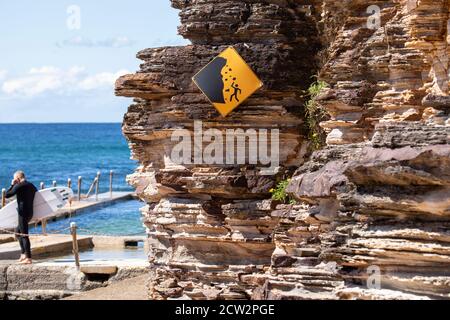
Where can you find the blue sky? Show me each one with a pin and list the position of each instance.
(59, 59)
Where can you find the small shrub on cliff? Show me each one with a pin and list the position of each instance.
(279, 192)
(315, 114)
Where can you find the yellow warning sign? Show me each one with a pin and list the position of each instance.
(227, 81)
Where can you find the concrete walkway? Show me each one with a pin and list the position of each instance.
(130, 289)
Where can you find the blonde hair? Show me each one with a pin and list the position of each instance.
(20, 174)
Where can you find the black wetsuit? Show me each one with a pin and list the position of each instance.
(25, 192)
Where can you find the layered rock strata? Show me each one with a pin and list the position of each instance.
(210, 224)
(397, 71)
(382, 182)
(372, 213)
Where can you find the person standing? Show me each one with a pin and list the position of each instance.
(25, 192)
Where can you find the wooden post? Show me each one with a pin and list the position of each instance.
(73, 231)
(42, 186)
(79, 188)
(97, 181)
(111, 175)
(44, 227)
(54, 184)
(3, 198)
(69, 183)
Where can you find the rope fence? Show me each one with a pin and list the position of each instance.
(18, 234)
(73, 232)
(71, 228)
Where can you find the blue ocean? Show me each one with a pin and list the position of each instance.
(48, 152)
(56, 152)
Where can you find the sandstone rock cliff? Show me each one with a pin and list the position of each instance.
(374, 201)
(382, 182)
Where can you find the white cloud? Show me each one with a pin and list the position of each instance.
(79, 41)
(59, 81)
(39, 80)
(103, 79)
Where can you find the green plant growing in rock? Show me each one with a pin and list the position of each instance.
(279, 192)
(315, 114)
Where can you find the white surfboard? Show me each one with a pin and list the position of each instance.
(46, 202)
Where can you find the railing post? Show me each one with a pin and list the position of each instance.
(54, 184)
(42, 186)
(111, 175)
(79, 188)
(97, 181)
(73, 231)
(69, 183)
(3, 198)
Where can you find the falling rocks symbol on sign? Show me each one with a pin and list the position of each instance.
(211, 82)
(227, 81)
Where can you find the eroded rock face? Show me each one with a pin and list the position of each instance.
(209, 225)
(374, 201)
(387, 210)
(395, 72)
(382, 182)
